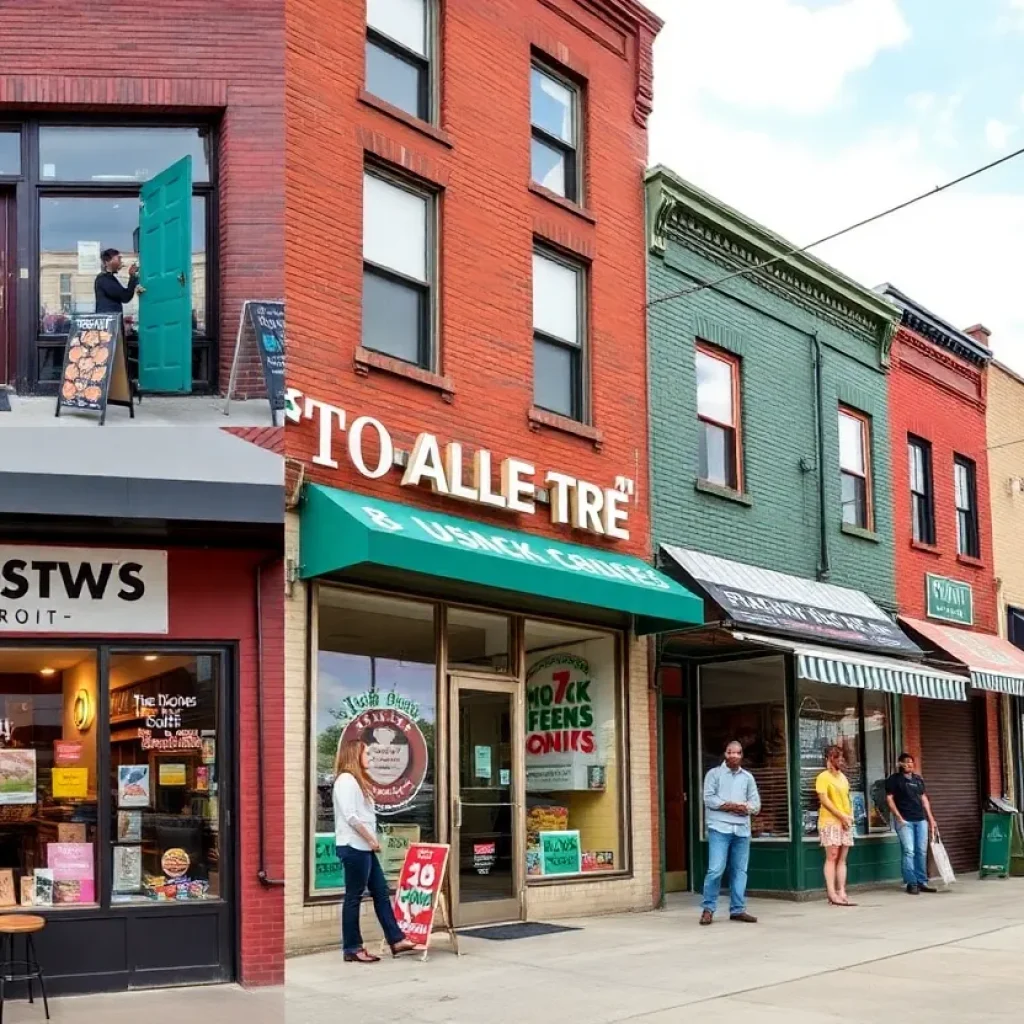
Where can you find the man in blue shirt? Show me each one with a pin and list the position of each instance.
(730, 801)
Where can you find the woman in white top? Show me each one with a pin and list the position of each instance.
(355, 825)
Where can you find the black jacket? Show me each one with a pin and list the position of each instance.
(111, 295)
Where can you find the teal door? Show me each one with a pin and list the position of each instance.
(165, 268)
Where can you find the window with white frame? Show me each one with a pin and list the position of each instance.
(398, 65)
(397, 269)
(559, 288)
(555, 129)
(855, 468)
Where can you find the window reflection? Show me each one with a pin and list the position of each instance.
(10, 152)
(120, 154)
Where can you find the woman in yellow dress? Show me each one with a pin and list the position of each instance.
(835, 825)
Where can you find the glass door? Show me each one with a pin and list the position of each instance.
(487, 846)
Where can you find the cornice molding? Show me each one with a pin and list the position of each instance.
(911, 338)
(702, 224)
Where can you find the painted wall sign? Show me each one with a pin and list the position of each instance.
(115, 591)
(450, 470)
(950, 600)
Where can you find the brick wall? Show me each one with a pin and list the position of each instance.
(226, 614)
(779, 529)
(489, 220)
(205, 60)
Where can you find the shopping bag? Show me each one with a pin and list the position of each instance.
(941, 858)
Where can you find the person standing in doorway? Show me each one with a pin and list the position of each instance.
(111, 295)
(355, 826)
(915, 825)
(730, 801)
(835, 825)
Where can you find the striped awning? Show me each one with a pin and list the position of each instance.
(993, 662)
(866, 671)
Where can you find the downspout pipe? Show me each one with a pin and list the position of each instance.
(262, 874)
(824, 561)
(655, 683)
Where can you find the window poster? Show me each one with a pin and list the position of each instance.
(129, 826)
(28, 886)
(172, 774)
(7, 896)
(133, 789)
(127, 873)
(17, 776)
(70, 783)
(42, 895)
(73, 872)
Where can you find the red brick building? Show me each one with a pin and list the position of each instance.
(105, 98)
(479, 171)
(945, 575)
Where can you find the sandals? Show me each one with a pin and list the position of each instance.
(405, 946)
(838, 903)
(360, 956)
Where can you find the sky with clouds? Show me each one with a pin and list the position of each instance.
(808, 115)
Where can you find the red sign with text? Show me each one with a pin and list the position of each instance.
(419, 886)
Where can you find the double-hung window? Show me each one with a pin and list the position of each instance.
(555, 131)
(922, 493)
(559, 292)
(855, 468)
(965, 481)
(397, 269)
(398, 54)
(718, 416)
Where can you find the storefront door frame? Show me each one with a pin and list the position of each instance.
(8, 260)
(142, 920)
(499, 910)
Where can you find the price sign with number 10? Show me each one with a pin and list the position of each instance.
(419, 889)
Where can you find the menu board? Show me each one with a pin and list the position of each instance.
(261, 332)
(95, 372)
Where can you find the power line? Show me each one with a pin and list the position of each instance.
(1005, 444)
(836, 234)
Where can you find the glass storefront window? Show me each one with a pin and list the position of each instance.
(164, 779)
(113, 154)
(860, 723)
(746, 701)
(48, 784)
(376, 680)
(10, 152)
(74, 230)
(479, 641)
(574, 765)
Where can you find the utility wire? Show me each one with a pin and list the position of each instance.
(836, 234)
(1005, 444)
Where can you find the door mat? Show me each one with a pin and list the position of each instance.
(525, 930)
(5, 402)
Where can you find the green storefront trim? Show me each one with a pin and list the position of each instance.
(342, 531)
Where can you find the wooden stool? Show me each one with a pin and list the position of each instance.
(27, 970)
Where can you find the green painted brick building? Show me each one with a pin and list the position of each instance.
(752, 379)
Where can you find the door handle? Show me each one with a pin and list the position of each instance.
(181, 280)
(458, 812)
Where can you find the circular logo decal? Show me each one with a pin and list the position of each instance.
(396, 756)
(175, 862)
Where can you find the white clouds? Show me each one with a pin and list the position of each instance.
(957, 252)
(998, 133)
(777, 54)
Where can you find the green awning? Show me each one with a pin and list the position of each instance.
(341, 530)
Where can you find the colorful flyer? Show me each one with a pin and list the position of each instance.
(66, 753)
(133, 785)
(42, 895)
(70, 783)
(172, 774)
(72, 862)
(17, 776)
(202, 778)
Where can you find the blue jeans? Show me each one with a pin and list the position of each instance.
(727, 850)
(363, 872)
(914, 840)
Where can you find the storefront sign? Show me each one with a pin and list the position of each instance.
(419, 885)
(560, 853)
(950, 600)
(70, 783)
(453, 472)
(327, 870)
(397, 756)
(114, 591)
(561, 744)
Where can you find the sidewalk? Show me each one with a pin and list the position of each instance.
(952, 957)
(153, 411)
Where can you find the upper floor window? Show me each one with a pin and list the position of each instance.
(718, 415)
(397, 269)
(922, 493)
(559, 291)
(855, 468)
(968, 542)
(398, 54)
(555, 130)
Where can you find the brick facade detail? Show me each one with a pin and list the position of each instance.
(219, 63)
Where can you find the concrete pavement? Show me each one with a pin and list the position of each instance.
(155, 411)
(951, 957)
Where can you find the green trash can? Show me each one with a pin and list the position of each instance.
(996, 837)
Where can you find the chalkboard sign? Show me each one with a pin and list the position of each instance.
(261, 328)
(95, 372)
